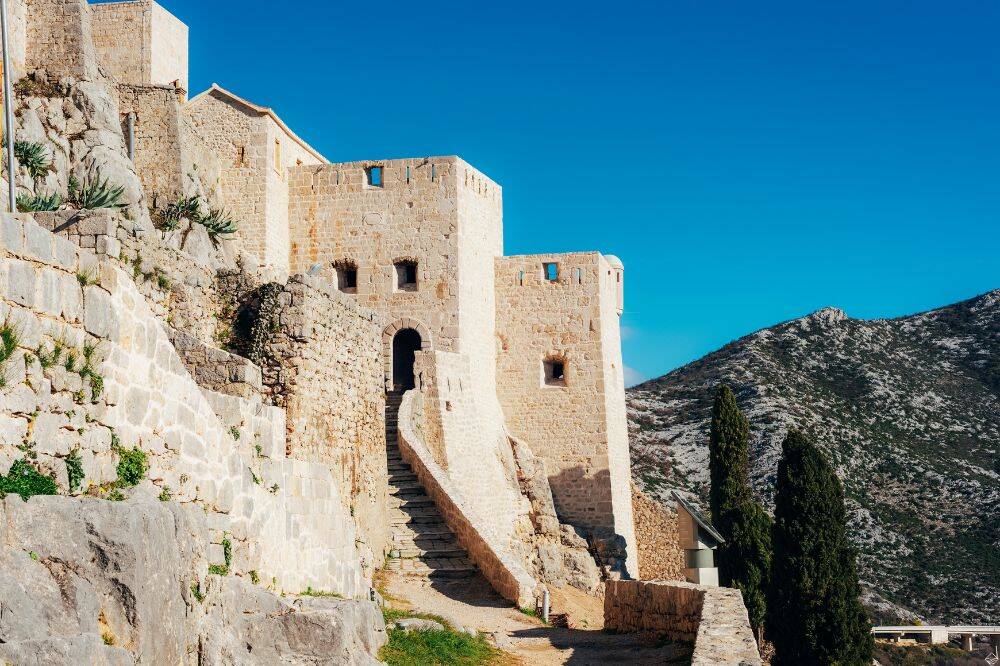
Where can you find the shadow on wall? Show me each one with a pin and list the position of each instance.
(584, 501)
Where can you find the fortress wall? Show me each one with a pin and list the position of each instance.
(171, 158)
(619, 458)
(59, 39)
(335, 215)
(323, 365)
(286, 518)
(17, 12)
(568, 425)
(121, 33)
(238, 137)
(169, 38)
(140, 43)
(472, 459)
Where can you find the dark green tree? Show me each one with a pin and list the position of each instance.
(814, 613)
(744, 561)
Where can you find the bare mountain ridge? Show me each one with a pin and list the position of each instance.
(908, 410)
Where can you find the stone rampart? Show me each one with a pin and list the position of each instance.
(95, 373)
(140, 43)
(505, 573)
(322, 363)
(60, 39)
(713, 618)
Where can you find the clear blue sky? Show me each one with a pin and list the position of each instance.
(748, 161)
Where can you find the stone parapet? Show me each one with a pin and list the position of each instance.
(713, 618)
(504, 572)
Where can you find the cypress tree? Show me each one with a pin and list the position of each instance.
(744, 561)
(814, 613)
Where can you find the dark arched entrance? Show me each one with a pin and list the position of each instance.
(405, 344)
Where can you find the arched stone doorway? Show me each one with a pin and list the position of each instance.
(422, 340)
(405, 344)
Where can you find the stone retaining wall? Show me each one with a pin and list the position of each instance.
(285, 518)
(504, 572)
(713, 618)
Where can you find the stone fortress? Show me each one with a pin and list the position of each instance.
(356, 379)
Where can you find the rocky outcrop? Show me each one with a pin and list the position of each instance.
(99, 582)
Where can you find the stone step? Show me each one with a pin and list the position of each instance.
(407, 502)
(399, 488)
(422, 515)
(449, 567)
(421, 532)
(401, 475)
(399, 468)
(419, 553)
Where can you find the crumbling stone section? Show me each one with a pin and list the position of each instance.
(505, 573)
(322, 364)
(215, 369)
(713, 618)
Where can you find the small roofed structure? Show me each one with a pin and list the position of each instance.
(698, 539)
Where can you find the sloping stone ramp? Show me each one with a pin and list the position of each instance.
(422, 544)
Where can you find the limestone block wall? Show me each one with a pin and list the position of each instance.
(255, 151)
(504, 571)
(59, 39)
(577, 425)
(437, 211)
(322, 363)
(169, 155)
(713, 618)
(17, 14)
(140, 43)
(461, 439)
(285, 517)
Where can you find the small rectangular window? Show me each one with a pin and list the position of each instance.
(406, 275)
(551, 271)
(554, 370)
(241, 156)
(347, 277)
(520, 279)
(374, 175)
(277, 156)
(578, 275)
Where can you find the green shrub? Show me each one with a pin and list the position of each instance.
(254, 576)
(227, 551)
(33, 157)
(39, 203)
(218, 222)
(165, 494)
(97, 193)
(184, 208)
(74, 470)
(132, 466)
(26, 481)
(218, 569)
(114, 495)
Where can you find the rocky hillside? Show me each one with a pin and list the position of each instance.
(909, 411)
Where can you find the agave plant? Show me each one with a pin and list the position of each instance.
(218, 222)
(184, 208)
(32, 156)
(95, 193)
(38, 203)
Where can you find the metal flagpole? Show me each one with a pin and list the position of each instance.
(8, 114)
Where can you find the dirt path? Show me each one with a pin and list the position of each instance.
(473, 604)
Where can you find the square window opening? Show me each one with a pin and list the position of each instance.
(347, 279)
(374, 176)
(551, 271)
(555, 372)
(406, 276)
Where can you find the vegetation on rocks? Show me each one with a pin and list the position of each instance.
(10, 337)
(96, 193)
(32, 156)
(24, 480)
(744, 560)
(132, 466)
(74, 470)
(814, 613)
(38, 203)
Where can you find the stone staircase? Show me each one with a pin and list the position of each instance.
(422, 544)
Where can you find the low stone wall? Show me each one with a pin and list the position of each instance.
(507, 575)
(713, 618)
(216, 369)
